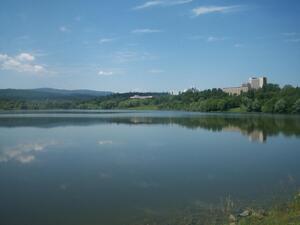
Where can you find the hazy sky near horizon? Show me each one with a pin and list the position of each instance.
(147, 45)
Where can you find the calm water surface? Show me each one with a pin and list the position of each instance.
(120, 167)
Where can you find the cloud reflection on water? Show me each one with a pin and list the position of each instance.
(24, 153)
(105, 142)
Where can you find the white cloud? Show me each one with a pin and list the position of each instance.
(38, 68)
(292, 37)
(25, 57)
(23, 62)
(106, 40)
(148, 5)
(105, 73)
(3, 57)
(108, 71)
(295, 40)
(131, 56)
(64, 29)
(146, 31)
(238, 45)
(161, 3)
(196, 37)
(156, 71)
(289, 34)
(214, 9)
(207, 38)
(77, 18)
(214, 39)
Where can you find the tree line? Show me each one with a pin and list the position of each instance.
(269, 99)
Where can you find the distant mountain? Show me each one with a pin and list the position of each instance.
(51, 94)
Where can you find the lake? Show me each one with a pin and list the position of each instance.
(142, 167)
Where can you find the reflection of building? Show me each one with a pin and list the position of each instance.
(253, 83)
(254, 135)
(257, 136)
(141, 120)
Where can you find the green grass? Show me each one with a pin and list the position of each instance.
(237, 110)
(284, 214)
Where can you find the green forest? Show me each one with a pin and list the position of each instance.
(269, 99)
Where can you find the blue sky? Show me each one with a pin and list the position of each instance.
(140, 45)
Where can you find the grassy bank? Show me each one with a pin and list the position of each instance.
(227, 213)
(283, 214)
(237, 110)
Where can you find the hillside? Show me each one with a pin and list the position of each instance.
(50, 94)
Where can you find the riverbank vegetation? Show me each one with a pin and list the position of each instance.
(269, 99)
(282, 214)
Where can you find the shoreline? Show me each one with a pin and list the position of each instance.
(280, 214)
(4, 111)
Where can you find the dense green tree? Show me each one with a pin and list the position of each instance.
(296, 106)
(280, 106)
(247, 103)
(256, 106)
(268, 106)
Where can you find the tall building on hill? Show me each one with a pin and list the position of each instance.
(253, 83)
(257, 82)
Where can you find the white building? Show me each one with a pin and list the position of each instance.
(257, 82)
(173, 92)
(236, 90)
(141, 97)
(253, 83)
